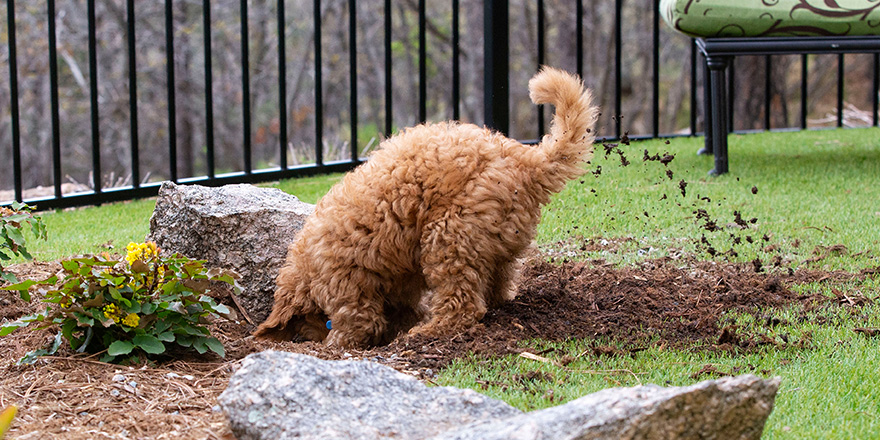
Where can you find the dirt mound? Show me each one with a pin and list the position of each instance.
(656, 301)
(671, 302)
(661, 302)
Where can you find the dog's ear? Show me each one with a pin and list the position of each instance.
(279, 327)
(295, 328)
(314, 327)
(284, 323)
(292, 310)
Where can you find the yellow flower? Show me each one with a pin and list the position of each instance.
(131, 320)
(112, 312)
(151, 250)
(134, 253)
(143, 252)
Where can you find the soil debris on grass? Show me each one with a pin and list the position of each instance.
(709, 371)
(867, 331)
(676, 303)
(822, 252)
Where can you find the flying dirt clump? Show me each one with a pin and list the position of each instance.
(721, 238)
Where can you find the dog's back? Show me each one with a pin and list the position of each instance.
(445, 208)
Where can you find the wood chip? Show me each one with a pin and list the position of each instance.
(534, 357)
(868, 331)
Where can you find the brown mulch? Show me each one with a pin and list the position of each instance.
(673, 302)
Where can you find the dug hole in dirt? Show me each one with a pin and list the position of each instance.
(672, 302)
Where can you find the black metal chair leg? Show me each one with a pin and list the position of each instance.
(718, 86)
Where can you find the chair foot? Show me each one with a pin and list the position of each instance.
(704, 151)
(714, 172)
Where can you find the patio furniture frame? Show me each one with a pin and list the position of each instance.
(720, 52)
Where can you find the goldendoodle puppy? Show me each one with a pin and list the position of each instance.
(427, 232)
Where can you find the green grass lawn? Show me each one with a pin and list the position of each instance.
(826, 392)
(815, 190)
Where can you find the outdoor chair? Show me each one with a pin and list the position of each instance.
(725, 29)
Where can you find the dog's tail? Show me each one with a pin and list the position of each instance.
(570, 142)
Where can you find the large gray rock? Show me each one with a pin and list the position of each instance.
(279, 395)
(727, 408)
(240, 227)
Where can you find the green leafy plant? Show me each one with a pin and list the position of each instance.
(12, 242)
(127, 309)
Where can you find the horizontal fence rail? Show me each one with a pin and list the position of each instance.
(614, 60)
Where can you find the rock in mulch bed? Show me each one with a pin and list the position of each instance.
(278, 395)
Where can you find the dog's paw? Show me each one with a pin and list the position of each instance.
(340, 339)
(336, 339)
(432, 331)
(422, 330)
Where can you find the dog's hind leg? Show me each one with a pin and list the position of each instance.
(502, 286)
(457, 271)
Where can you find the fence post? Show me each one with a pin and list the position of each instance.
(13, 94)
(496, 65)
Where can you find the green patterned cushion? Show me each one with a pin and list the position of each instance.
(772, 18)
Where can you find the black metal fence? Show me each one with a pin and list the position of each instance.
(498, 66)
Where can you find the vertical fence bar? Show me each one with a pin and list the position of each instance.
(693, 97)
(655, 67)
(53, 98)
(209, 88)
(93, 97)
(731, 93)
(840, 73)
(172, 95)
(456, 68)
(282, 89)
(804, 59)
(496, 65)
(388, 110)
(876, 88)
(132, 95)
(618, 43)
(541, 61)
(13, 94)
(423, 64)
(319, 98)
(246, 87)
(768, 90)
(579, 37)
(352, 56)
